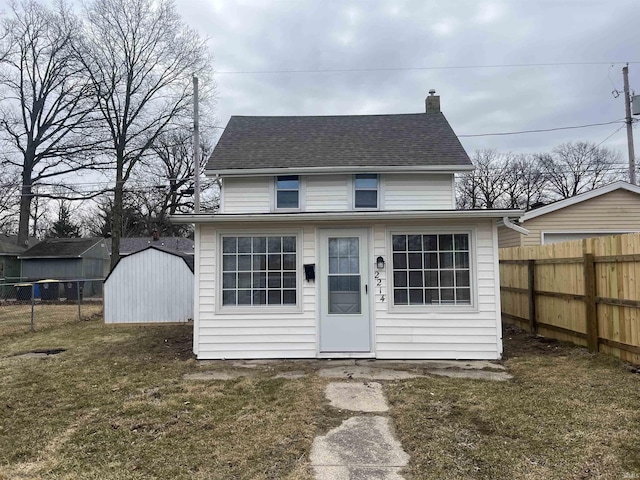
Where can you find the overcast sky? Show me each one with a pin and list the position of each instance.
(419, 36)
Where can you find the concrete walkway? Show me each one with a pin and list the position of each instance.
(363, 447)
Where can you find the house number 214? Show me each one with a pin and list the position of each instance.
(379, 285)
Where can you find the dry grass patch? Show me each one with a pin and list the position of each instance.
(569, 415)
(15, 318)
(115, 405)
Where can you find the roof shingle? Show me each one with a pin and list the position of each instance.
(417, 139)
(61, 247)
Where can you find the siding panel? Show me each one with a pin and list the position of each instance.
(418, 192)
(246, 195)
(149, 286)
(325, 193)
(617, 212)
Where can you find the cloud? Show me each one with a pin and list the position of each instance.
(307, 35)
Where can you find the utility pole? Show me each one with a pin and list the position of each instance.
(629, 121)
(196, 148)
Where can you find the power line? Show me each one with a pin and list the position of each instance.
(541, 130)
(403, 69)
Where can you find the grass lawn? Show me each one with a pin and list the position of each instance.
(16, 317)
(115, 405)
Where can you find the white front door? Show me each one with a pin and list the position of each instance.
(345, 325)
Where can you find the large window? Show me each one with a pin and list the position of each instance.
(259, 270)
(288, 191)
(366, 191)
(431, 269)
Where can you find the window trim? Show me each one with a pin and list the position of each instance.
(378, 192)
(257, 309)
(301, 194)
(433, 308)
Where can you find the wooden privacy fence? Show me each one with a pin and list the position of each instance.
(586, 292)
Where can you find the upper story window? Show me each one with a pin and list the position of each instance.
(288, 191)
(366, 190)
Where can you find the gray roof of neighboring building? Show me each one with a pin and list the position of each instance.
(61, 247)
(8, 245)
(415, 139)
(180, 245)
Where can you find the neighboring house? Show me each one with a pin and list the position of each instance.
(9, 252)
(337, 236)
(608, 210)
(151, 285)
(67, 259)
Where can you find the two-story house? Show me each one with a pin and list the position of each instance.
(337, 236)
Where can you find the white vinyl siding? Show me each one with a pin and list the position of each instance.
(149, 286)
(233, 334)
(418, 192)
(328, 193)
(432, 332)
(246, 195)
(442, 332)
(325, 193)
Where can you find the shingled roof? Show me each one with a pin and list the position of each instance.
(129, 245)
(418, 139)
(61, 247)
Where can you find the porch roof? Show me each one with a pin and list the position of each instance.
(337, 216)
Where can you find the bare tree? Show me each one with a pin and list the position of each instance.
(171, 170)
(46, 99)
(525, 182)
(485, 186)
(574, 168)
(9, 190)
(140, 58)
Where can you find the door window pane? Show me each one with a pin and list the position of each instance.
(344, 292)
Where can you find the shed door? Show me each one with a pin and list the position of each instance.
(345, 324)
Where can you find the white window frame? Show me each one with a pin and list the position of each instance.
(472, 307)
(256, 309)
(378, 192)
(301, 194)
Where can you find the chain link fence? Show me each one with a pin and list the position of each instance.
(35, 305)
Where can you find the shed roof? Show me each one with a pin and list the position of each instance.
(131, 245)
(61, 248)
(187, 259)
(398, 140)
(567, 202)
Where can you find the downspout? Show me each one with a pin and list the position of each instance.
(509, 224)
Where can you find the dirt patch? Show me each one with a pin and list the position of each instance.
(40, 353)
(519, 343)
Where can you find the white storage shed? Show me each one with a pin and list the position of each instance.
(149, 286)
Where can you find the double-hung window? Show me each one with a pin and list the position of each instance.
(260, 270)
(288, 192)
(431, 269)
(366, 191)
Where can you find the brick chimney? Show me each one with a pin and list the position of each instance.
(432, 102)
